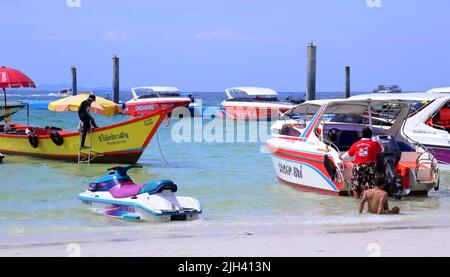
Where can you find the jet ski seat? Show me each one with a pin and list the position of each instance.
(157, 186)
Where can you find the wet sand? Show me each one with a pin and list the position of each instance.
(251, 241)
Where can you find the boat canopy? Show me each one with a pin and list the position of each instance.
(340, 106)
(411, 96)
(143, 92)
(439, 90)
(246, 92)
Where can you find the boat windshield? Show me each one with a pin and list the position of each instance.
(143, 93)
(258, 98)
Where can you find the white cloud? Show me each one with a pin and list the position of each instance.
(226, 35)
(116, 36)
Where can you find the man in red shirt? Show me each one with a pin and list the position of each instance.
(365, 152)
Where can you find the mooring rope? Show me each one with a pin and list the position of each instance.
(160, 149)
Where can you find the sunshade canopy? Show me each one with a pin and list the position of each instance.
(72, 103)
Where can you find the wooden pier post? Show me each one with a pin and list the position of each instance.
(311, 72)
(115, 79)
(347, 81)
(74, 80)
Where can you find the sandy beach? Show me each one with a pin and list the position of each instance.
(251, 241)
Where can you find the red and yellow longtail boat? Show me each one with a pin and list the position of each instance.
(119, 143)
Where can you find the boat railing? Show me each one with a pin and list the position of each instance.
(332, 145)
(426, 159)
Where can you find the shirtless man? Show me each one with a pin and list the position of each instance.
(377, 199)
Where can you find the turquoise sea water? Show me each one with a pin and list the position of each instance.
(235, 183)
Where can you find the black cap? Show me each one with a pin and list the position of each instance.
(92, 97)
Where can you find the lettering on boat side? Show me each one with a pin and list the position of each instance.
(113, 139)
(148, 122)
(296, 171)
(228, 267)
(145, 108)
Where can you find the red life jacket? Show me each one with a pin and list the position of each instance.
(444, 118)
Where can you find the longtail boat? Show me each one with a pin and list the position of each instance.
(119, 143)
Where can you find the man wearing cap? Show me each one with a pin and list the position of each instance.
(85, 118)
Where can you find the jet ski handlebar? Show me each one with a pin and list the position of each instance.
(122, 170)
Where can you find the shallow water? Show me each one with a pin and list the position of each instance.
(235, 183)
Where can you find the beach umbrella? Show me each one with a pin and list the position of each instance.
(13, 78)
(72, 103)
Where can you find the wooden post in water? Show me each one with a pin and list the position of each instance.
(74, 80)
(115, 80)
(311, 72)
(347, 81)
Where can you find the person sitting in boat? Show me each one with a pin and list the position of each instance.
(364, 166)
(85, 118)
(377, 199)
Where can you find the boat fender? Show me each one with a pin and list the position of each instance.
(33, 139)
(56, 138)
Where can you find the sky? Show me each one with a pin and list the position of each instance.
(210, 45)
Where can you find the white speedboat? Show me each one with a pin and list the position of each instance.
(387, 89)
(306, 148)
(252, 103)
(426, 124)
(148, 99)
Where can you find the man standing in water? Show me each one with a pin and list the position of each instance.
(365, 152)
(377, 199)
(86, 118)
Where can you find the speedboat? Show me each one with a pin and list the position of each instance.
(116, 195)
(425, 125)
(11, 108)
(387, 89)
(252, 103)
(306, 148)
(149, 99)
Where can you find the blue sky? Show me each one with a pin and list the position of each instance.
(209, 45)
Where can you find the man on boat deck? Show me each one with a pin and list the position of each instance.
(86, 118)
(365, 152)
(377, 199)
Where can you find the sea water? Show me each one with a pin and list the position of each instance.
(235, 182)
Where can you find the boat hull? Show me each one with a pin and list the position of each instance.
(442, 154)
(250, 113)
(119, 143)
(146, 108)
(304, 171)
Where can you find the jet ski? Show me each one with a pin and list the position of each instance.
(1, 157)
(116, 195)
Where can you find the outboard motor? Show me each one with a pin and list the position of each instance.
(1, 157)
(386, 163)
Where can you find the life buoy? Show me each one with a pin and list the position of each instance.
(33, 139)
(56, 138)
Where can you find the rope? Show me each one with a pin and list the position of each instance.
(160, 150)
